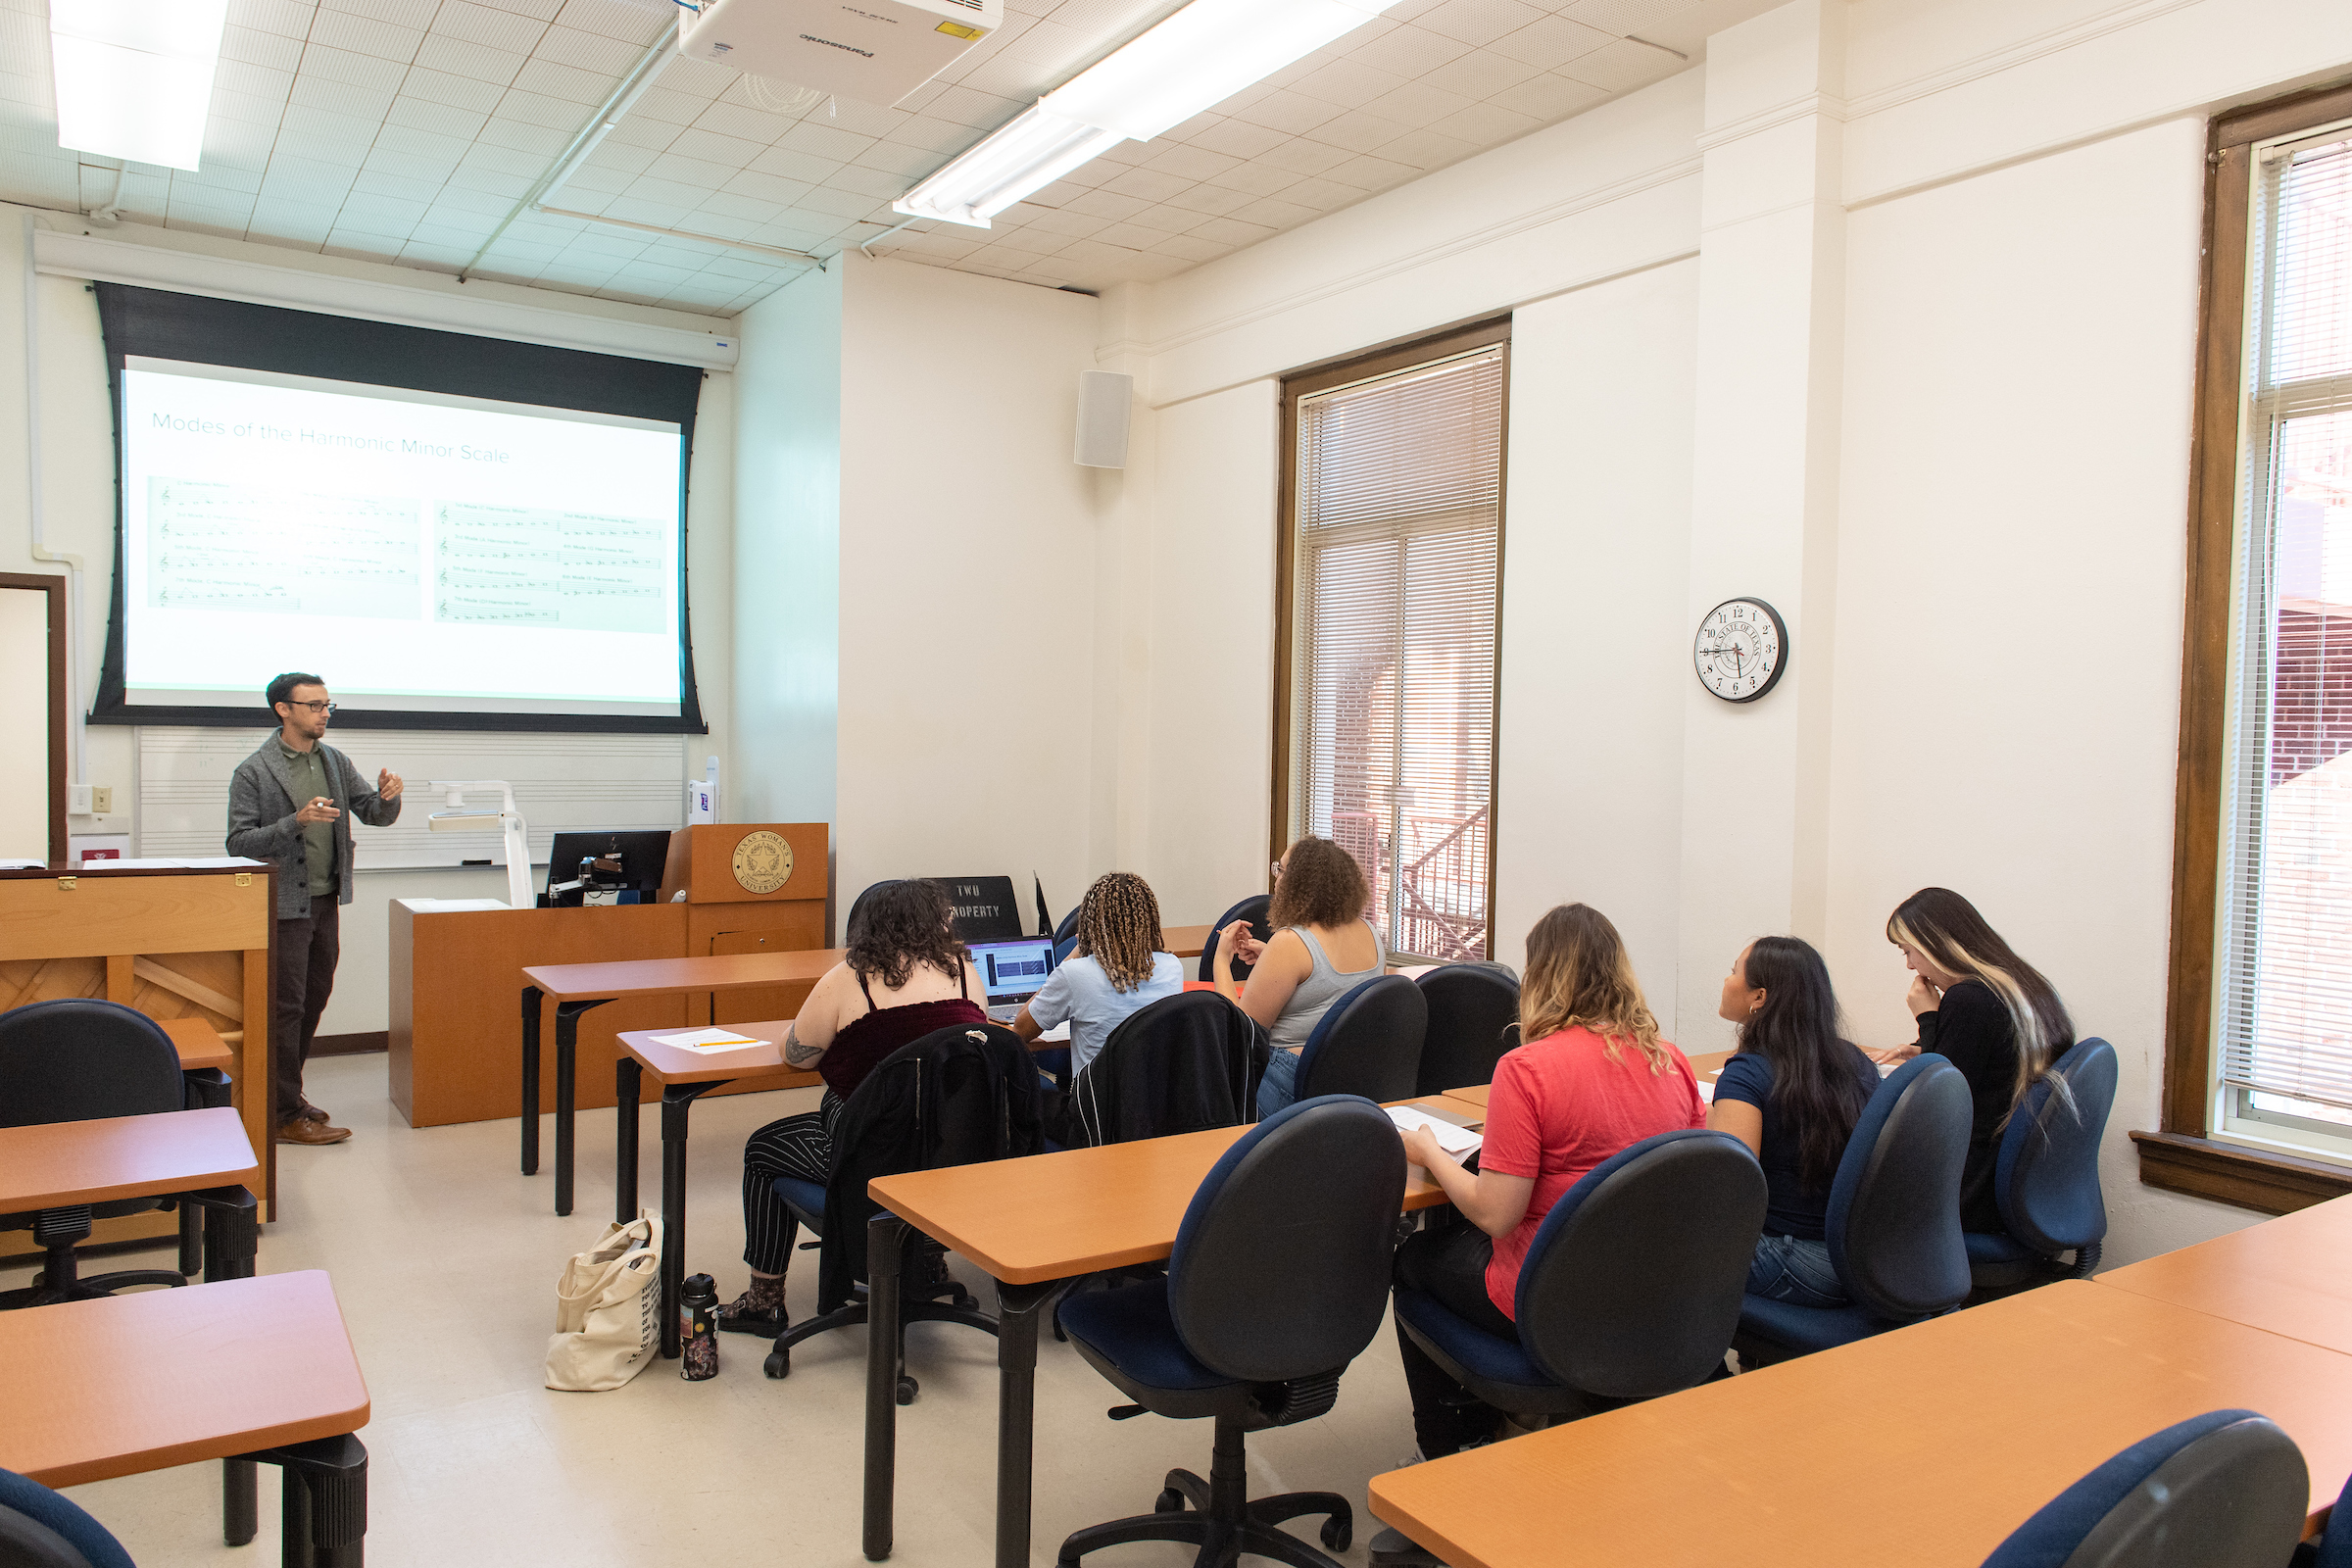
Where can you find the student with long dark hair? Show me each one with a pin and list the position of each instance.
(1988, 1012)
(904, 975)
(1792, 1092)
(1322, 949)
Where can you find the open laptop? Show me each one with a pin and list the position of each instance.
(1012, 972)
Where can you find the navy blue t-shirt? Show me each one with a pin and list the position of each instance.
(1790, 1211)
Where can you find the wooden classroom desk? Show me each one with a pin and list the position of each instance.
(1923, 1448)
(686, 1076)
(200, 1046)
(59, 1163)
(128, 1384)
(575, 988)
(2291, 1275)
(1187, 940)
(1034, 1224)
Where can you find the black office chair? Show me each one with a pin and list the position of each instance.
(1473, 1019)
(78, 1060)
(2047, 1179)
(849, 927)
(2334, 1548)
(1367, 1042)
(1278, 1280)
(40, 1529)
(1184, 1064)
(1893, 1225)
(1252, 909)
(959, 1096)
(2224, 1489)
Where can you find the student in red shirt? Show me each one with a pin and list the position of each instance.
(1592, 1078)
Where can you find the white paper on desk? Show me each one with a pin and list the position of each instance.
(1706, 1090)
(706, 1040)
(1451, 1139)
(1058, 1035)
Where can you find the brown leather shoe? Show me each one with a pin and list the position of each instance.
(311, 1112)
(301, 1130)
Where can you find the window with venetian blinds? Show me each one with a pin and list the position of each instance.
(2285, 938)
(1393, 581)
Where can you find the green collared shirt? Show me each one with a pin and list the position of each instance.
(317, 838)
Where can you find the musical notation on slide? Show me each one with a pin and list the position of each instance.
(538, 567)
(216, 546)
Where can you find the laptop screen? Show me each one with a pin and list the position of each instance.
(1013, 971)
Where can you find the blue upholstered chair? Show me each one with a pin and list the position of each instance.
(1893, 1225)
(39, 1529)
(2334, 1548)
(1252, 909)
(77, 1059)
(959, 1096)
(1630, 1288)
(2047, 1179)
(2224, 1489)
(1367, 1042)
(1065, 935)
(1473, 1019)
(1279, 1279)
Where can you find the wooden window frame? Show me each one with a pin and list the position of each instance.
(2182, 1155)
(55, 588)
(1386, 360)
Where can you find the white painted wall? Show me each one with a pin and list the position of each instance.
(967, 580)
(787, 562)
(1596, 551)
(2016, 480)
(1923, 274)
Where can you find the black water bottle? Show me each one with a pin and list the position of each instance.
(698, 1328)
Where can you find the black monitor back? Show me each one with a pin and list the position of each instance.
(642, 852)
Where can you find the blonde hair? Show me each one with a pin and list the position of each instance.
(1118, 927)
(1578, 974)
(1946, 930)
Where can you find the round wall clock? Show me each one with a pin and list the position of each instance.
(1743, 647)
(763, 862)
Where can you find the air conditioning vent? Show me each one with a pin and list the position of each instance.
(870, 51)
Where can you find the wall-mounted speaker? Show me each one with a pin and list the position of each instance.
(1103, 400)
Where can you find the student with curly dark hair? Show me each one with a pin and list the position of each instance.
(1118, 968)
(904, 976)
(1322, 949)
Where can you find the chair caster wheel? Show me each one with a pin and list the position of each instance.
(907, 1390)
(777, 1365)
(1338, 1530)
(1168, 1502)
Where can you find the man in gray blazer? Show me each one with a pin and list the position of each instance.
(292, 801)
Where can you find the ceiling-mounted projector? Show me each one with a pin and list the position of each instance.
(874, 51)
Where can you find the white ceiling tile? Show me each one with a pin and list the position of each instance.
(441, 52)
(417, 14)
(790, 163)
(1551, 97)
(440, 117)
(576, 89)
(1621, 16)
(823, 141)
(216, 179)
(873, 182)
(658, 102)
(399, 187)
(363, 35)
(501, 131)
(1287, 112)
(1552, 42)
(1190, 163)
(1426, 149)
(253, 46)
(1303, 157)
(757, 127)
(674, 168)
(290, 18)
(709, 147)
(1208, 201)
(597, 178)
(633, 132)
(1346, 82)
(473, 202)
(1359, 132)
(374, 73)
(586, 51)
(1407, 51)
(1486, 124)
(238, 108)
(1365, 173)
(613, 18)
(492, 29)
(841, 203)
(980, 110)
(768, 188)
(1622, 66)
(342, 98)
(1256, 179)
(697, 79)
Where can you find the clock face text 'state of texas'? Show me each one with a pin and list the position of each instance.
(1741, 649)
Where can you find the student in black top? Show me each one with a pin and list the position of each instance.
(1791, 1094)
(1988, 1012)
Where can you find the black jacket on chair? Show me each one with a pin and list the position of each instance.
(959, 1096)
(1185, 1063)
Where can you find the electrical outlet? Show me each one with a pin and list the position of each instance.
(102, 800)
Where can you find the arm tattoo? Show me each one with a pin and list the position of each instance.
(796, 1055)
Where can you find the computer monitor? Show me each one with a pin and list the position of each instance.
(641, 854)
(1013, 971)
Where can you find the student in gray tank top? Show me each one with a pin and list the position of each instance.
(1322, 950)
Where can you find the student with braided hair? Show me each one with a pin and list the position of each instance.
(1118, 967)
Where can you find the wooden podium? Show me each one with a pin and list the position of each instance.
(749, 887)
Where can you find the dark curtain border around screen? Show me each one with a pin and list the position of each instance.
(156, 323)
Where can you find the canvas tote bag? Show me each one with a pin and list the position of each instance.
(609, 1309)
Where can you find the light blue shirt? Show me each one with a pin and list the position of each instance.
(1080, 995)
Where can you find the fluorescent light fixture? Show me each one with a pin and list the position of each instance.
(134, 77)
(1200, 56)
